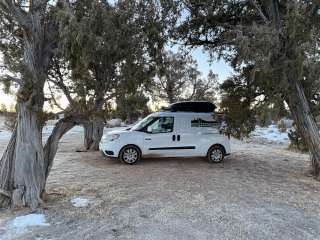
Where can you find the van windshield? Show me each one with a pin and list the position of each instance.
(143, 123)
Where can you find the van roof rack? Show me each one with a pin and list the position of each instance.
(191, 106)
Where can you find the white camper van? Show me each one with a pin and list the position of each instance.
(174, 132)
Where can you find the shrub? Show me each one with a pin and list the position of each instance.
(296, 141)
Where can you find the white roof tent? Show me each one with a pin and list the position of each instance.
(191, 106)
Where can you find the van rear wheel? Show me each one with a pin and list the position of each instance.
(130, 155)
(216, 154)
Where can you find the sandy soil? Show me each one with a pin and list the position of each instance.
(259, 192)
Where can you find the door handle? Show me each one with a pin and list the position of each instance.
(148, 139)
(173, 137)
(178, 137)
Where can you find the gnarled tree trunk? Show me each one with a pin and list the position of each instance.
(51, 146)
(306, 124)
(61, 128)
(22, 173)
(22, 165)
(93, 132)
(6, 171)
(29, 177)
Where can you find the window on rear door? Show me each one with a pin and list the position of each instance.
(162, 125)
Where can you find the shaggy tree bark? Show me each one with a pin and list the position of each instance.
(29, 177)
(22, 171)
(51, 146)
(306, 124)
(6, 171)
(22, 165)
(61, 128)
(93, 132)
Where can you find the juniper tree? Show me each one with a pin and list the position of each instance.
(202, 88)
(178, 78)
(132, 106)
(275, 36)
(30, 24)
(238, 102)
(246, 105)
(130, 95)
(108, 57)
(92, 44)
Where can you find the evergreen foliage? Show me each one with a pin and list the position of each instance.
(279, 39)
(178, 79)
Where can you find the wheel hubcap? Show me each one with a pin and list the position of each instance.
(216, 155)
(130, 155)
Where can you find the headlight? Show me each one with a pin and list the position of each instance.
(114, 137)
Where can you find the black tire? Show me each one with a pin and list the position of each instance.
(130, 155)
(216, 154)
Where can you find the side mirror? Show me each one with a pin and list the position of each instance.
(149, 129)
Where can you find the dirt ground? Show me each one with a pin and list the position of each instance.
(261, 191)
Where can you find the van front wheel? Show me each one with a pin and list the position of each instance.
(215, 154)
(130, 155)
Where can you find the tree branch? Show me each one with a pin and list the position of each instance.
(60, 83)
(17, 13)
(264, 18)
(8, 78)
(54, 99)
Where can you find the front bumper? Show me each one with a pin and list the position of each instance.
(107, 153)
(110, 149)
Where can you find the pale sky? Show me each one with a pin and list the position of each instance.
(219, 67)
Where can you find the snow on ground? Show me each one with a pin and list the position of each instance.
(4, 134)
(48, 129)
(113, 124)
(270, 134)
(22, 224)
(80, 202)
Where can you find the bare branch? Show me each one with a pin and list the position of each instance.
(54, 99)
(8, 78)
(257, 7)
(60, 83)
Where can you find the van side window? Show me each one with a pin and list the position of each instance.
(198, 122)
(162, 125)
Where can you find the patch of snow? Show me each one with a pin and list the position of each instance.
(48, 129)
(79, 129)
(20, 225)
(80, 202)
(29, 220)
(5, 134)
(271, 134)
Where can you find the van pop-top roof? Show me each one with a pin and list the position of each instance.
(191, 106)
